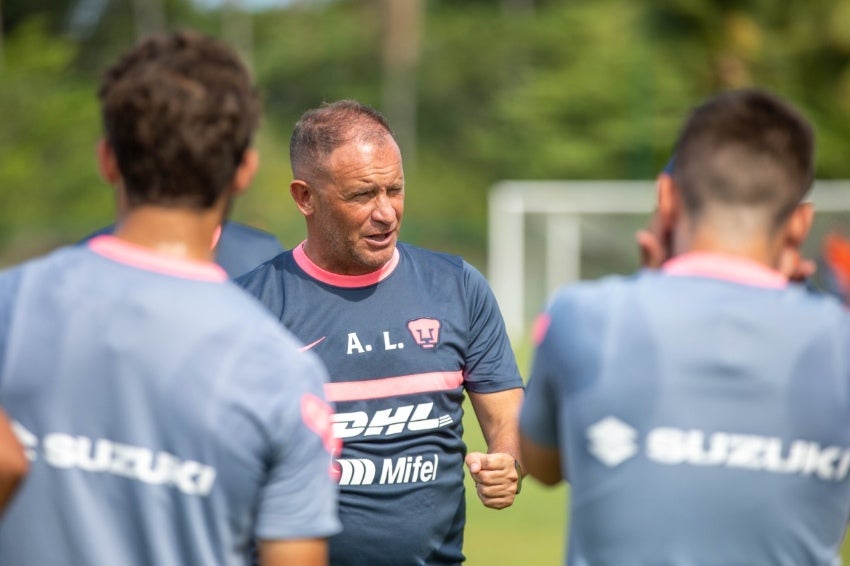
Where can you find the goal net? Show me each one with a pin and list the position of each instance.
(544, 234)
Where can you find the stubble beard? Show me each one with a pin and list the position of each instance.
(352, 256)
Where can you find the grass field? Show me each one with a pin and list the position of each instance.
(532, 531)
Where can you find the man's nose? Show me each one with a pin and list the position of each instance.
(383, 211)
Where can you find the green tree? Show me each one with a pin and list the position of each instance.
(49, 189)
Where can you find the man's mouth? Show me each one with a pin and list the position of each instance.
(380, 238)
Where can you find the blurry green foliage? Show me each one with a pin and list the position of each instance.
(534, 89)
(49, 188)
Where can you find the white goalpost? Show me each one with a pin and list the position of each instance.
(557, 211)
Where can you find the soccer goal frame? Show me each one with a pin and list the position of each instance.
(562, 205)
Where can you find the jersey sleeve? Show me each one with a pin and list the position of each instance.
(299, 499)
(10, 281)
(490, 362)
(539, 413)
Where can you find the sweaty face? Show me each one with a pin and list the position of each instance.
(358, 209)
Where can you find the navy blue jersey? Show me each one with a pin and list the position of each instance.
(702, 414)
(400, 345)
(238, 249)
(168, 418)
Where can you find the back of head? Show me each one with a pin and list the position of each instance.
(179, 111)
(322, 130)
(744, 150)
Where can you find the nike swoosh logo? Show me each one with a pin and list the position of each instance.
(312, 344)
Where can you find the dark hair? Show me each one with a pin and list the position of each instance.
(745, 148)
(179, 111)
(321, 130)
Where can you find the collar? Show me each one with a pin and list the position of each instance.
(141, 257)
(348, 281)
(725, 267)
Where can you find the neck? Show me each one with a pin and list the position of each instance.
(176, 232)
(740, 240)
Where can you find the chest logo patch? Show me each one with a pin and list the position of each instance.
(426, 332)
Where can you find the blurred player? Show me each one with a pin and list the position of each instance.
(169, 419)
(403, 331)
(701, 412)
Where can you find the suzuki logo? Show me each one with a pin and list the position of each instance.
(612, 441)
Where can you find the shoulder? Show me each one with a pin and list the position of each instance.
(249, 234)
(240, 248)
(102, 231)
(271, 368)
(447, 274)
(585, 304)
(44, 271)
(823, 306)
(443, 266)
(266, 282)
(251, 321)
(57, 259)
(10, 280)
(590, 291)
(270, 272)
(430, 259)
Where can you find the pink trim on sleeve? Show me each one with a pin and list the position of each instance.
(393, 386)
(727, 267)
(146, 258)
(316, 414)
(337, 280)
(541, 326)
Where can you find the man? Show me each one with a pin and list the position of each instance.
(237, 248)
(403, 331)
(169, 419)
(700, 412)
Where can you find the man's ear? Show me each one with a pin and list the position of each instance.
(791, 263)
(655, 242)
(668, 202)
(302, 194)
(107, 164)
(246, 171)
(798, 225)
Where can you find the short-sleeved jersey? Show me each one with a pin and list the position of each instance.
(400, 345)
(238, 249)
(702, 414)
(168, 418)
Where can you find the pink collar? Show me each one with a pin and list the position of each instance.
(348, 281)
(726, 267)
(145, 258)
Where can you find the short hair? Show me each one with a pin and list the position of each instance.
(179, 111)
(321, 130)
(745, 148)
